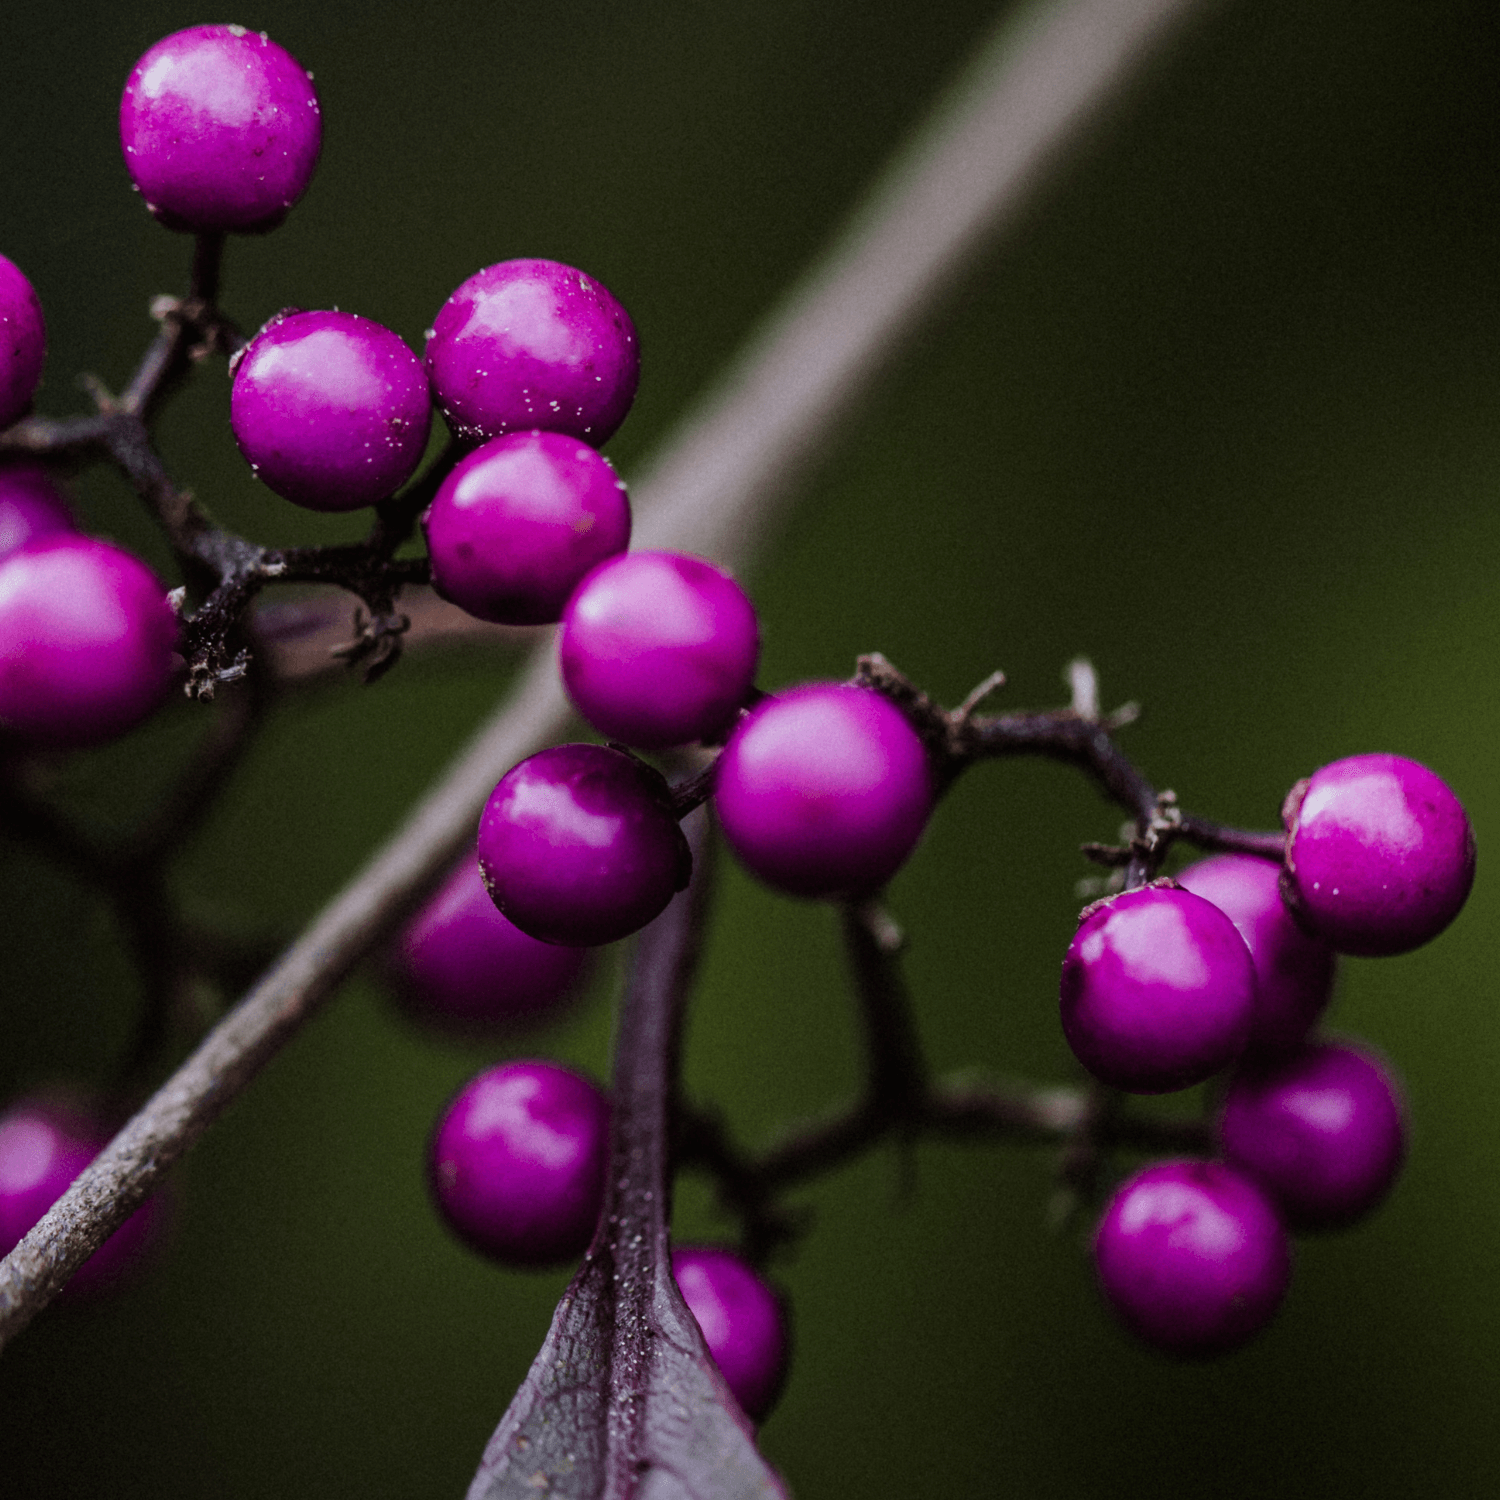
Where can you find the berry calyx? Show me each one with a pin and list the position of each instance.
(221, 130)
(330, 409)
(1379, 854)
(579, 845)
(1321, 1130)
(519, 521)
(517, 1163)
(31, 506)
(23, 343)
(463, 965)
(44, 1144)
(658, 649)
(742, 1320)
(87, 642)
(823, 790)
(533, 344)
(1192, 1257)
(1293, 972)
(1157, 990)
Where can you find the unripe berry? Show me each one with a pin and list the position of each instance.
(23, 343)
(532, 343)
(1192, 1257)
(823, 790)
(579, 845)
(517, 1163)
(658, 649)
(87, 641)
(1157, 990)
(1379, 854)
(1322, 1131)
(742, 1321)
(44, 1144)
(463, 965)
(519, 521)
(31, 506)
(1293, 972)
(330, 409)
(221, 129)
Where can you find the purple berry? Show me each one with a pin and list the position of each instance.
(221, 129)
(460, 963)
(531, 343)
(44, 1144)
(23, 343)
(579, 845)
(1157, 990)
(823, 790)
(330, 409)
(1379, 854)
(1293, 972)
(742, 1322)
(518, 1160)
(1192, 1257)
(1322, 1130)
(87, 642)
(31, 506)
(658, 649)
(519, 521)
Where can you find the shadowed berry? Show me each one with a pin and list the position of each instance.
(31, 506)
(658, 649)
(221, 129)
(517, 1163)
(742, 1322)
(23, 343)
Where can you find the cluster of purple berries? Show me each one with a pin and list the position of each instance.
(1231, 965)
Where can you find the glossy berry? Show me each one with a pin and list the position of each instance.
(1192, 1257)
(1293, 972)
(44, 1145)
(1157, 990)
(658, 649)
(517, 1163)
(221, 129)
(463, 965)
(532, 343)
(31, 506)
(23, 343)
(742, 1322)
(823, 790)
(1379, 856)
(87, 641)
(578, 845)
(330, 409)
(519, 521)
(1322, 1130)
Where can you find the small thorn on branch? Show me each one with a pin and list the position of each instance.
(1083, 685)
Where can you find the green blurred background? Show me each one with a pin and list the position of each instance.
(1221, 413)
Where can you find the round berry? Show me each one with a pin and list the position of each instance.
(519, 521)
(1379, 854)
(531, 343)
(330, 409)
(1293, 972)
(1157, 990)
(1192, 1257)
(23, 343)
(742, 1322)
(658, 649)
(221, 129)
(31, 506)
(823, 790)
(44, 1144)
(461, 964)
(518, 1160)
(578, 844)
(87, 642)
(1322, 1130)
